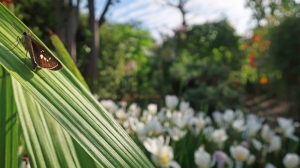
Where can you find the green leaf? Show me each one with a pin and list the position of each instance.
(9, 140)
(66, 58)
(42, 133)
(69, 103)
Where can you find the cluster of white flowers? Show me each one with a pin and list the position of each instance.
(230, 139)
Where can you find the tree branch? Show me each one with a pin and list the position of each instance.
(102, 17)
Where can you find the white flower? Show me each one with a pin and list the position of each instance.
(291, 160)
(257, 144)
(254, 118)
(168, 114)
(239, 114)
(123, 104)
(153, 127)
(275, 143)
(207, 131)
(228, 116)
(219, 136)
(266, 133)
(203, 159)
(184, 106)
(287, 128)
(269, 165)
(218, 118)
(121, 114)
(238, 125)
(126, 126)
(284, 123)
(250, 160)
(153, 145)
(109, 105)
(196, 124)
(159, 161)
(133, 110)
(239, 153)
(146, 117)
(179, 119)
(138, 127)
(208, 120)
(289, 132)
(152, 108)
(164, 157)
(132, 107)
(253, 126)
(176, 133)
(162, 115)
(201, 114)
(188, 113)
(171, 101)
(162, 154)
(166, 124)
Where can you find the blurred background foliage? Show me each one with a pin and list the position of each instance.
(207, 65)
(202, 65)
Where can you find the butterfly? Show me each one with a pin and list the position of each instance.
(39, 55)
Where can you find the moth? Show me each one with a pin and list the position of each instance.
(40, 57)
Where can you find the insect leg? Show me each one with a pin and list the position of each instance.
(18, 41)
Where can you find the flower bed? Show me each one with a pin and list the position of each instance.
(177, 136)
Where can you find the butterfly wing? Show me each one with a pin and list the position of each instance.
(43, 58)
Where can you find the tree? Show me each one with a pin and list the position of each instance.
(284, 52)
(202, 65)
(66, 15)
(94, 25)
(180, 6)
(91, 73)
(123, 63)
(271, 11)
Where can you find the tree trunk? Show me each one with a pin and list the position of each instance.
(72, 24)
(92, 69)
(67, 23)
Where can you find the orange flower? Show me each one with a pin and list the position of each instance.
(250, 56)
(257, 38)
(243, 46)
(263, 80)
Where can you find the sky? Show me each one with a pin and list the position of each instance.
(162, 19)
